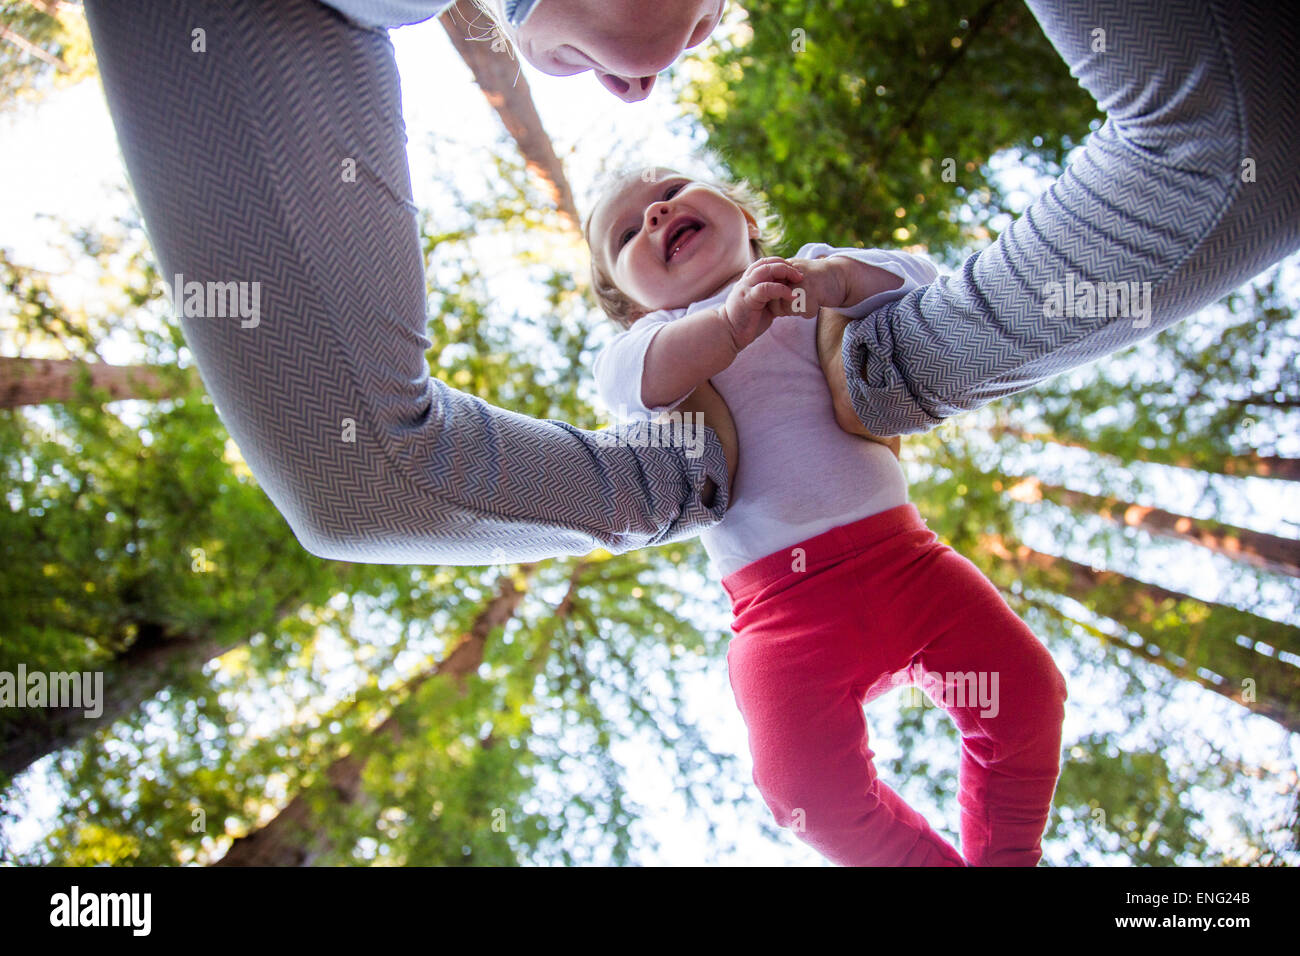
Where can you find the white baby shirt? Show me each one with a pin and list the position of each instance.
(798, 474)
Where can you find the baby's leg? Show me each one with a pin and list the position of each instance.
(1006, 695)
(813, 766)
(800, 667)
(1189, 189)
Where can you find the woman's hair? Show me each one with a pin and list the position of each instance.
(610, 297)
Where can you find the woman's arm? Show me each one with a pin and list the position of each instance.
(275, 158)
(1189, 189)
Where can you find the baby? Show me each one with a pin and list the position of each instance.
(839, 591)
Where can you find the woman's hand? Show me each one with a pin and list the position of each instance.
(830, 341)
(706, 400)
(841, 282)
(825, 285)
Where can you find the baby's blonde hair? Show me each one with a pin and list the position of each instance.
(610, 297)
(496, 30)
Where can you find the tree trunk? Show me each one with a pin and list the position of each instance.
(1238, 466)
(293, 837)
(52, 7)
(499, 77)
(153, 661)
(1210, 644)
(44, 381)
(1266, 551)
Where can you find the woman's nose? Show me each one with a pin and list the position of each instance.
(629, 89)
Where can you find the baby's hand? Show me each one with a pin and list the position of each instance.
(764, 292)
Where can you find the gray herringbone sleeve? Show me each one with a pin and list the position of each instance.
(1191, 185)
(236, 155)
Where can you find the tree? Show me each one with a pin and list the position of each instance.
(46, 381)
(125, 540)
(294, 837)
(44, 44)
(1266, 551)
(499, 77)
(1217, 392)
(871, 124)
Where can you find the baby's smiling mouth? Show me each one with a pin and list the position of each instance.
(678, 231)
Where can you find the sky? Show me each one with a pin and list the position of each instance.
(65, 156)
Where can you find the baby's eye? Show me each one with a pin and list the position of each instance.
(626, 237)
(673, 190)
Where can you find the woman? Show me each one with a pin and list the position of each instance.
(239, 122)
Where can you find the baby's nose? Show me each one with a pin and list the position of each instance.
(656, 215)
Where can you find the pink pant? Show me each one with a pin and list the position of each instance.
(848, 615)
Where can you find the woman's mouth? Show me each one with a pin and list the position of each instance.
(681, 232)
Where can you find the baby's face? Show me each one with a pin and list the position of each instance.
(672, 241)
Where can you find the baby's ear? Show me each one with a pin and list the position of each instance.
(754, 231)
